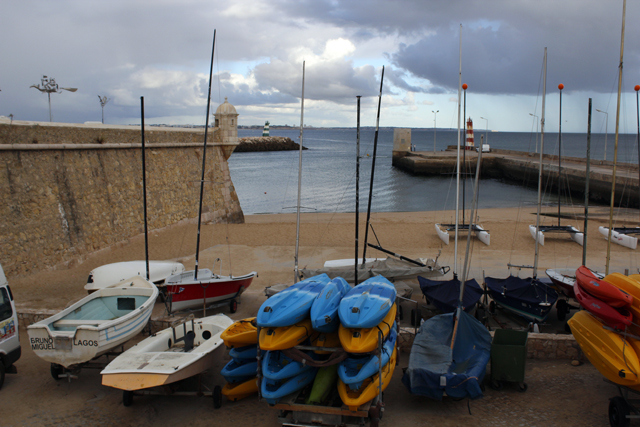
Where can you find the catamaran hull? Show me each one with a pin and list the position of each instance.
(480, 233)
(621, 239)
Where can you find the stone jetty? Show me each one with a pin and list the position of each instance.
(266, 143)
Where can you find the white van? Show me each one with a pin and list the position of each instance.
(9, 339)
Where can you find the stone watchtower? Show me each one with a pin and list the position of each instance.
(227, 122)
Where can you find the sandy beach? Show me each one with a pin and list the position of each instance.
(558, 394)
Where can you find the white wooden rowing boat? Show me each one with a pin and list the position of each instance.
(96, 324)
(183, 350)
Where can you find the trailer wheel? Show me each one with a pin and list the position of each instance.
(522, 387)
(374, 415)
(127, 398)
(56, 371)
(561, 309)
(2, 373)
(217, 397)
(233, 306)
(618, 411)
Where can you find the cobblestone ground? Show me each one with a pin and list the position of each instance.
(558, 394)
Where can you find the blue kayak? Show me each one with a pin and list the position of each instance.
(324, 310)
(249, 352)
(291, 305)
(367, 304)
(274, 390)
(277, 366)
(239, 370)
(354, 370)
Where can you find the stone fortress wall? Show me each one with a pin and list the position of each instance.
(70, 190)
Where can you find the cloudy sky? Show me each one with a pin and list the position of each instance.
(160, 49)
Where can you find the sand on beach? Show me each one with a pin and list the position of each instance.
(266, 244)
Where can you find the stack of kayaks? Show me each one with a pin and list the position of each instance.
(240, 373)
(606, 329)
(285, 321)
(367, 314)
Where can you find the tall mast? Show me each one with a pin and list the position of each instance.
(615, 150)
(295, 272)
(586, 189)
(560, 87)
(144, 190)
(544, 97)
(373, 168)
(204, 157)
(455, 250)
(355, 263)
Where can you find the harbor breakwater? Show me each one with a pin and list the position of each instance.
(70, 190)
(266, 143)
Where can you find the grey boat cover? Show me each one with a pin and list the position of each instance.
(435, 369)
(390, 268)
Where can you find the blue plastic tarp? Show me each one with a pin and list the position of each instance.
(434, 368)
(445, 294)
(522, 290)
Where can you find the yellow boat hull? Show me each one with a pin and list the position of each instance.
(234, 392)
(286, 337)
(366, 340)
(612, 355)
(241, 333)
(369, 389)
(330, 340)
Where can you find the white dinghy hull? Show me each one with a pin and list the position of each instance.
(96, 324)
(161, 359)
(619, 238)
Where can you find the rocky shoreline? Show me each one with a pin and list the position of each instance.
(266, 143)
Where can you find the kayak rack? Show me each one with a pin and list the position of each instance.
(293, 412)
(623, 408)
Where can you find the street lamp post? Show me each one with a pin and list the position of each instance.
(486, 132)
(103, 102)
(536, 117)
(606, 131)
(434, 128)
(50, 86)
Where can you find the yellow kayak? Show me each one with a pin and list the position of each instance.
(630, 286)
(366, 340)
(237, 391)
(329, 340)
(612, 355)
(241, 333)
(369, 388)
(286, 337)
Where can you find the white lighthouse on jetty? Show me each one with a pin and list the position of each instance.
(265, 131)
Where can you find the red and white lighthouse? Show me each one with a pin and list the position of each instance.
(469, 145)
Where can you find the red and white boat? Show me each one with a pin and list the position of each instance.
(183, 291)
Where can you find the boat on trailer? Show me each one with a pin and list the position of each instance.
(187, 348)
(95, 325)
(109, 274)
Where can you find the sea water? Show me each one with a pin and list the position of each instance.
(267, 182)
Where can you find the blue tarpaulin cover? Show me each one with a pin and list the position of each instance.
(434, 368)
(522, 290)
(445, 294)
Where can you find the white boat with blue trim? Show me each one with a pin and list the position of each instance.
(96, 324)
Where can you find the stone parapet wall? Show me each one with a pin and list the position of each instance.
(60, 205)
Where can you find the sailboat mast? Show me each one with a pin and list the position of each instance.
(455, 250)
(295, 272)
(560, 86)
(544, 97)
(615, 150)
(586, 189)
(355, 263)
(144, 190)
(204, 157)
(373, 168)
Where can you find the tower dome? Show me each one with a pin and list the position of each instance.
(227, 124)
(226, 108)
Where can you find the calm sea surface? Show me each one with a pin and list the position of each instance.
(267, 182)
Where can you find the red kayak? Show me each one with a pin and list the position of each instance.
(616, 318)
(601, 290)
